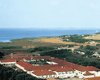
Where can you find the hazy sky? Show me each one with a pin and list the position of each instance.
(50, 14)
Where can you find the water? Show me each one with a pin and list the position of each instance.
(8, 34)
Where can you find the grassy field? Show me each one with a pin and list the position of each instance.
(55, 40)
(45, 41)
(38, 42)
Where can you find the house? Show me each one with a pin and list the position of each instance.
(63, 72)
(36, 71)
(87, 71)
(96, 54)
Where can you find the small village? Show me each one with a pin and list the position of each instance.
(49, 68)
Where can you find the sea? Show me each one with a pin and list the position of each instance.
(8, 34)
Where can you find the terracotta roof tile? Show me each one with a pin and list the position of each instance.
(43, 72)
(87, 68)
(8, 60)
(26, 65)
(95, 78)
(61, 69)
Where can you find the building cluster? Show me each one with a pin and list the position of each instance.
(45, 67)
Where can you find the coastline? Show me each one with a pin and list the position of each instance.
(5, 41)
(14, 34)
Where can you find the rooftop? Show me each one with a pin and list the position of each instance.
(43, 72)
(95, 78)
(87, 68)
(8, 60)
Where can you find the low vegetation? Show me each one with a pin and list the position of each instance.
(30, 50)
(88, 50)
(75, 38)
(1, 55)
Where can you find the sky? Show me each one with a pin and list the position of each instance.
(50, 14)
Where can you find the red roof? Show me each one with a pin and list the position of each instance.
(42, 57)
(57, 68)
(19, 56)
(62, 65)
(8, 60)
(43, 72)
(91, 68)
(61, 69)
(30, 67)
(59, 61)
(88, 68)
(26, 65)
(94, 78)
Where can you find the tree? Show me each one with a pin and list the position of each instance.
(21, 76)
(1, 54)
(30, 78)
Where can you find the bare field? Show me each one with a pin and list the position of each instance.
(94, 37)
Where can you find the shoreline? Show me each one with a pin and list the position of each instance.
(5, 40)
(49, 34)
